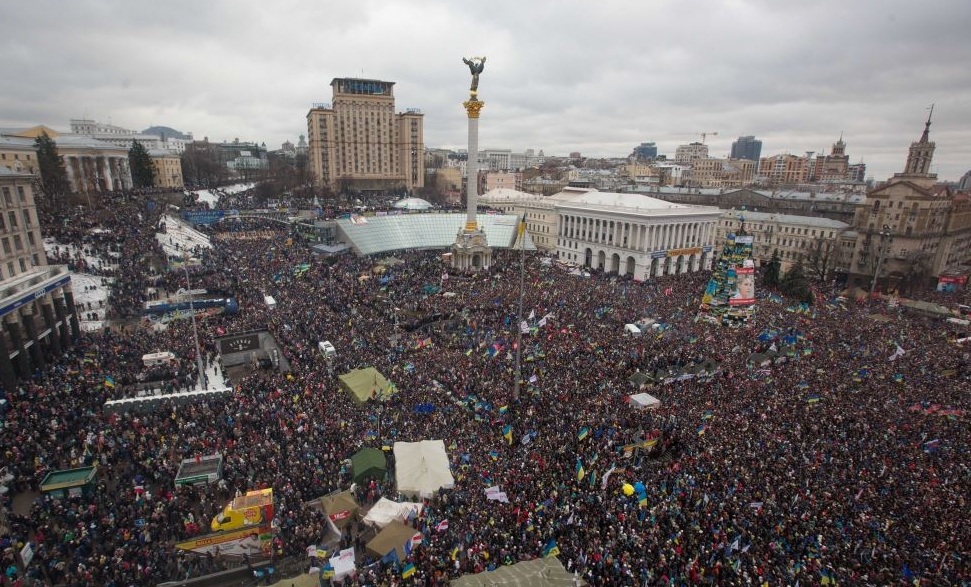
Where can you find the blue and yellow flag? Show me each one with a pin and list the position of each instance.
(408, 571)
(109, 382)
(584, 432)
(551, 549)
(580, 471)
(507, 433)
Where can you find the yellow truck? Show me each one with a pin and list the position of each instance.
(253, 509)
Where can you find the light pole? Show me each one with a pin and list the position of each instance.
(884, 235)
(195, 330)
(519, 317)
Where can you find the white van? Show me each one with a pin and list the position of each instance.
(327, 350)
(163, 358)
(632, 329)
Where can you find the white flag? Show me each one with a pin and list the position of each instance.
(524, 327)
(542, 322)
(532, 314)
(898, 353)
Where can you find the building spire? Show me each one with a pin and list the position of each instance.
(927, 126)
(921, 152)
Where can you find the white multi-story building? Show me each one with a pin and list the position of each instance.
(629, 234)
(123, 137)
(633, 234)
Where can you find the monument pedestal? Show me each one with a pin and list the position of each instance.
(471, 250)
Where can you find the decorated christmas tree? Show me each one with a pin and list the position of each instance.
(729, 296)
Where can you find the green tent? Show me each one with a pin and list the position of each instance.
(363, 384)
(368, 463)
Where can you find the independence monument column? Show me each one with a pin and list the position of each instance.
(471, 249)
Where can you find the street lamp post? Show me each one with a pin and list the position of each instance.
(519, 316)
(195, 330)
(884, 235)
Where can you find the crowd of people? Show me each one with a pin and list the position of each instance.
(842, 459)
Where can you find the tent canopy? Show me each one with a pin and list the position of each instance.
(368, 463)
(644, 401)
(421, 468)
(337, 504)
(540, 572)
(386, 511)
(363, 383)
(392, 536)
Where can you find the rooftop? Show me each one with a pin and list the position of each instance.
(787, 219)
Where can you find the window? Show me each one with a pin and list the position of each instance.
(18, 242)
(23, 265)
(10, 270)
(31, 239)
(27, 222)
(6, 245)
(21, 194)
(13, 219)
(6, 196)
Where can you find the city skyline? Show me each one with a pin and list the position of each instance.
(560, 77)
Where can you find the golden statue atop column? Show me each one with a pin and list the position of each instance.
(471, 249)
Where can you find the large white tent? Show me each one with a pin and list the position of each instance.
(386, 511)
(644, 401)
(421, 468)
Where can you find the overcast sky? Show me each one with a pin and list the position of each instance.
(565, 75)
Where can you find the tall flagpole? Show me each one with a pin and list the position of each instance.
(519, 321)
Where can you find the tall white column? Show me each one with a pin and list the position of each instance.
(472, 171)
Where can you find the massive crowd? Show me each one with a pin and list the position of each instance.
(840, 460)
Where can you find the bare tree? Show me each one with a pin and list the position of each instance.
(918, 270)
(821, 260)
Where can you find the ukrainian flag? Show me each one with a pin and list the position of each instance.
(408, 571)
(455, 552)
(580, 471)
(507, 433)
(584, 432)
(551, 549)
(503, 409)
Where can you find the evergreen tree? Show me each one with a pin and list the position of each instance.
(53, 174)
(772, 270)
(140, 163)
(795, 283)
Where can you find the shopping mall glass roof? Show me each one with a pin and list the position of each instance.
(369, 235)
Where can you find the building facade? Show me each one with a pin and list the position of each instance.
(632, 234)
(36, 302)
(123, 137)
(747, 147)
(92, 166)
(794, 237)
(168, 169)
(645, 152)
(360, 144)
(912, 229)
(721, 173)
(686, 154)
(502, 179)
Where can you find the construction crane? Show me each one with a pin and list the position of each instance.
(705, 135)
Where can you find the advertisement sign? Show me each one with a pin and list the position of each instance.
(253, 541)
(691, 251)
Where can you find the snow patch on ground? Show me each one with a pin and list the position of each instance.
(179, 237)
